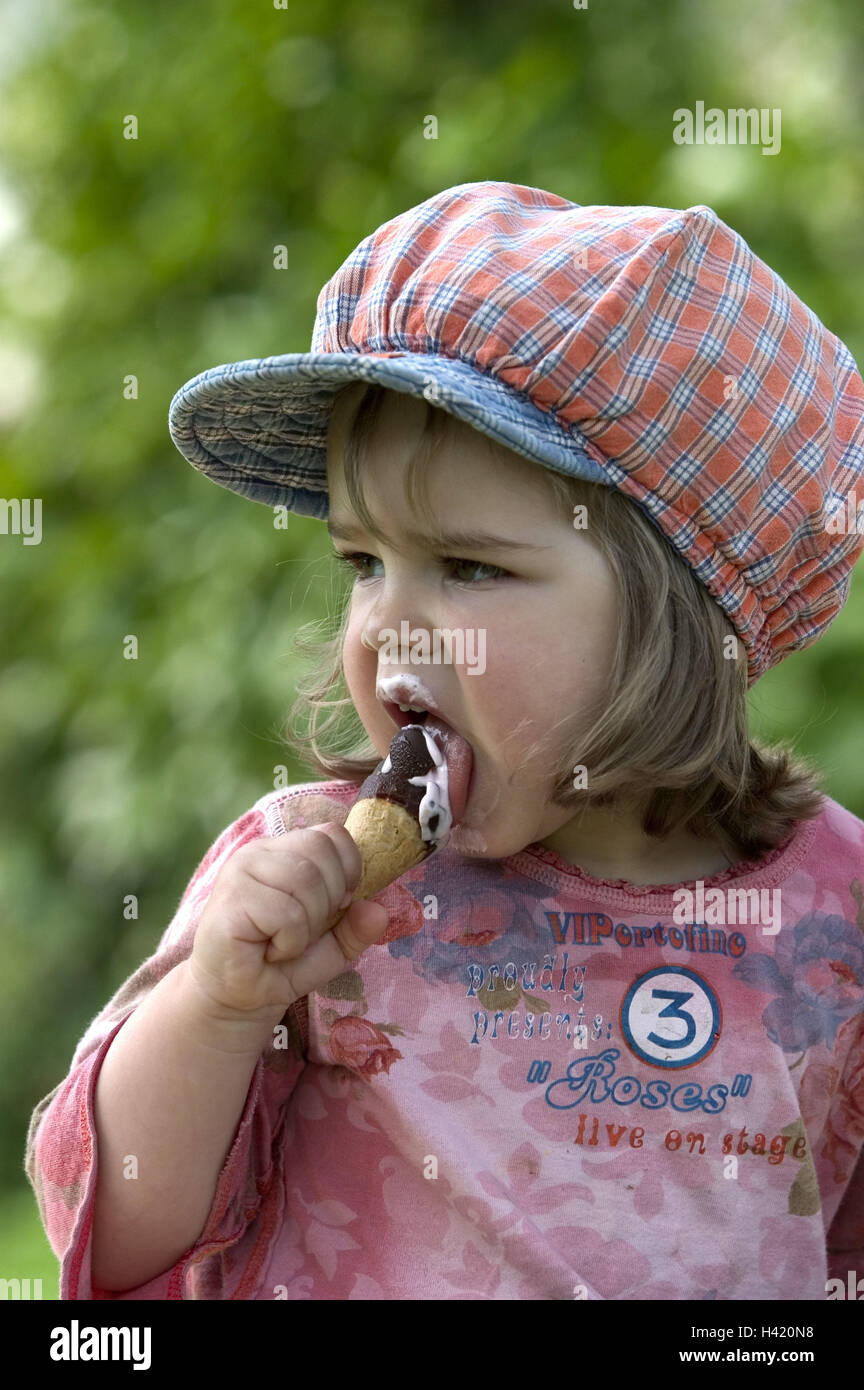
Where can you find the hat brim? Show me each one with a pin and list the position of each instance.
(259, 427)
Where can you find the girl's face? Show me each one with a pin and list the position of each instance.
(542, 597)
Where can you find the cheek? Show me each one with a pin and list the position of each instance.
(353, 653)
(359, 663)
(520, 694)
(538, 662)
(542, 669)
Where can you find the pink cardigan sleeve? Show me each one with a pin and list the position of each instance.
(61, 1158)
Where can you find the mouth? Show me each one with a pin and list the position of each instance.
(404, 717)
(457, 751)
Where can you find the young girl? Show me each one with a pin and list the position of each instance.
(608, 1042)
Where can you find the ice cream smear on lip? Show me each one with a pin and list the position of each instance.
(405, 690)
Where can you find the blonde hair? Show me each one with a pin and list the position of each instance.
(671, 742)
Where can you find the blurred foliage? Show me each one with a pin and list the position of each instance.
(300, 125)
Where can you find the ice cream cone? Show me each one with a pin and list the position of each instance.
(389, 840)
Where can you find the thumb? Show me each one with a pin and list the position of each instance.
(366, 919)
(359, 926)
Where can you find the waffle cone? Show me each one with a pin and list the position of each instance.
(389, 840)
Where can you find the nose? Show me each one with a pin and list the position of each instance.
(396, 602)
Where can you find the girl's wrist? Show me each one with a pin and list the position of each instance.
(214, 1025)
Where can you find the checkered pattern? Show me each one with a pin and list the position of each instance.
(642, 348)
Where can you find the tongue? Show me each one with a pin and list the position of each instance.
(459, 758)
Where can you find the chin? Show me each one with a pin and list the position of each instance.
(464, 840)
(468, 841)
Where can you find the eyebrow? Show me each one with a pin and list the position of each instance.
(452, 540)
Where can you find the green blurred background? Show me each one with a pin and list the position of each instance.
(300, 126)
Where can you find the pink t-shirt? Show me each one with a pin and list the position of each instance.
(541, 1085)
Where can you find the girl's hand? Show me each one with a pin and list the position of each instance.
(267, 935)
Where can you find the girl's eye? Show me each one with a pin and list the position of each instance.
(356, 561)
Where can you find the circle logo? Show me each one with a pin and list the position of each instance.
(671, 1017)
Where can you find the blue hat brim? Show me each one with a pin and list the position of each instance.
(259, 427)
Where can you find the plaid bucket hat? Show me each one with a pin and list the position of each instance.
(642, 348)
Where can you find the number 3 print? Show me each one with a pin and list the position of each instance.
(671, 1017)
